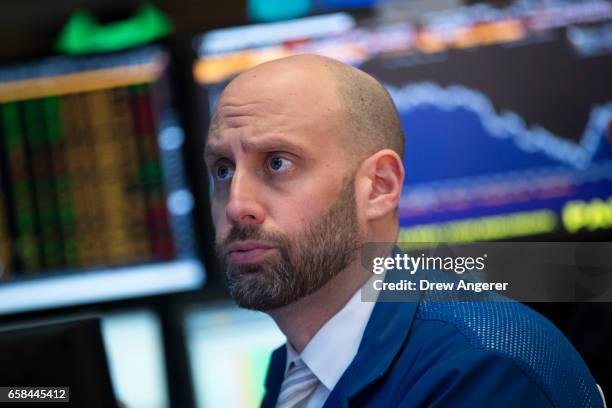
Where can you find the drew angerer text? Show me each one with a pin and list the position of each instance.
(424, 284)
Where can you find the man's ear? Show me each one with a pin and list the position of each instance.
(382, 178)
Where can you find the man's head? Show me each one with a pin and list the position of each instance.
(305, 154)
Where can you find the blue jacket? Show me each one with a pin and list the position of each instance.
(429, 353)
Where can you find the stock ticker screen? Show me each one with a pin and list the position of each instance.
(507, 111)
(95, 204)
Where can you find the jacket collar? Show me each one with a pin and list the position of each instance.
(276, 373)
(383, 338)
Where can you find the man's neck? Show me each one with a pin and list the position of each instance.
(301, 320)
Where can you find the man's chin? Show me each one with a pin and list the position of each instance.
(248, 297)
(252, 287)
(240, 271)
(248, 279)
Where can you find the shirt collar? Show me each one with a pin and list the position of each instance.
(334, 346)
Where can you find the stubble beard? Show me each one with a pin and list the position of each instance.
(302, 264)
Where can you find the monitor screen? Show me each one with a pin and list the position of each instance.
(507, 111)
(58, 355)
(229, 370)
(95, 204)
(134, 345)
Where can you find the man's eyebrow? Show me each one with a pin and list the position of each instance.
(212, 152)
(272, 143)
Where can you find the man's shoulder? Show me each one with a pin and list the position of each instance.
(468, 332)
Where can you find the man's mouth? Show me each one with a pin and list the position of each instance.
(248, 252)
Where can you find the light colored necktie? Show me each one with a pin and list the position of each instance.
(298, 386)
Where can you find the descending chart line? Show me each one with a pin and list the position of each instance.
(508, 124)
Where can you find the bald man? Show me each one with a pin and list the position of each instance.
(305, 155)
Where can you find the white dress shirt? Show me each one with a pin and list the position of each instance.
(333, 347)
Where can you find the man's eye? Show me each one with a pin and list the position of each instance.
(279, 164)
(223, 172)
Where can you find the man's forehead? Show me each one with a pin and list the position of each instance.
(286, 98)
(280, 112)
(252, 115)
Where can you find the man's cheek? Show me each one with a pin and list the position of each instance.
(221, 227)
(217, 210)
(292, 218)
(221, 234)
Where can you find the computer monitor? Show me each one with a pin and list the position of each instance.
(95, 202)
(69, 354)
(134, 346)
(507, 112)
(229, 370)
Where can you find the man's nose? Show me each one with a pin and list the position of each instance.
(243, 207)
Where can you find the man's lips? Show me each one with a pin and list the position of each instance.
(247, 252)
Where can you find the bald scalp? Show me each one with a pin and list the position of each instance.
(371, 121)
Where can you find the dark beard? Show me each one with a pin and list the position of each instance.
(303, 264)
